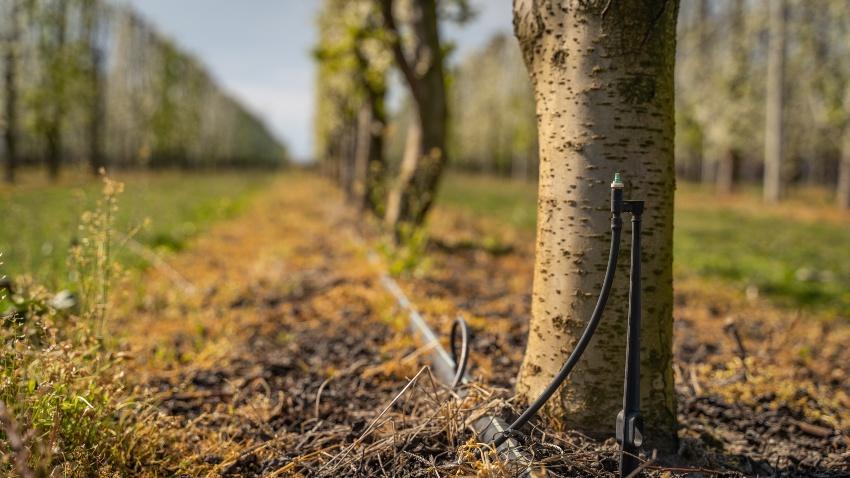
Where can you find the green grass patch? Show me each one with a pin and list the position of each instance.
(40, 220)
(795, 262)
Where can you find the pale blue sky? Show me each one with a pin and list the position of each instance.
(260, 50)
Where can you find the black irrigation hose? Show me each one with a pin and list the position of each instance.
(616, 228)
(459, 360)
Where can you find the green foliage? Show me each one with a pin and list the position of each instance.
(795, 262)
(43, 220)
(353, 65)
(409, 254)
(60, 388)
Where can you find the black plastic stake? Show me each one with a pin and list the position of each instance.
(629, 421)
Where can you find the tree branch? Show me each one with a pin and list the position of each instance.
(395, 45)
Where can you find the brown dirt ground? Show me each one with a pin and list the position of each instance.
(289, 359)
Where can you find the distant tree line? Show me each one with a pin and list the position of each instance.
(762, 94)
(494, 127)
(761, 98)
(761, 91)
(89, 83)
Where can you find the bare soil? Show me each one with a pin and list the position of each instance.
(289, 359)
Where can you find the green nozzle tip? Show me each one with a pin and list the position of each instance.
(618, 181)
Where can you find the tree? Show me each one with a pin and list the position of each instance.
(50, 100)
(842, 192)
(774, 121)
(734, 91)
(824, 55)
(370, 165)
(11, 89)
(704, 57)
(714, 55)
(421, 63)
(492, 127)
(351, 120)
(602, 74)
(96, 91)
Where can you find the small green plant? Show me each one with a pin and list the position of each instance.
(60, 390)
(408, 255)
(91, 257)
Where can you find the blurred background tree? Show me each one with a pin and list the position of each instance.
(87, 83)
(721, 101)
(493, 124)
(350, 95)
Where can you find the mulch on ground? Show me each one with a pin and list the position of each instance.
(289, 359)
(762, 391)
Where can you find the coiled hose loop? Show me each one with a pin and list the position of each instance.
(459, 358)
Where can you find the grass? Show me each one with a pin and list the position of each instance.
(797, 254)
(65, 404)
(41, 220)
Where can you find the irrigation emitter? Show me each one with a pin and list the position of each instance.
(451, 369)
(629, 424)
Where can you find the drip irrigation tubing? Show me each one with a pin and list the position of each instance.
(584, 340)
(452, 369)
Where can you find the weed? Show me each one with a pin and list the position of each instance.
(91, 258)
(60, 385)
(409, 255)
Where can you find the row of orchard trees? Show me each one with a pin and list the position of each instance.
(360, 40)
(86, 82)
(351, 116)
(762, 96)
(494, 125)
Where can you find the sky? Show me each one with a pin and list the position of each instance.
(259, 50)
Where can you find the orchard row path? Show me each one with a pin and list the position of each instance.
(278, 353)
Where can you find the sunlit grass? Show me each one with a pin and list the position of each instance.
(40, 220)
(796, 253)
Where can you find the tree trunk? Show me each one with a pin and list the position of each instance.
(727, 163)
(843, 190)
(371, 127)
(98, 90)
(346, 158)
(53, 132)
(726, 169)
(603, 79)
(53, 138)
(96, 115)
(413, 194)
(519, 166)
(774, 124)
(10, 134)
(707, 167)
(369, 162)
